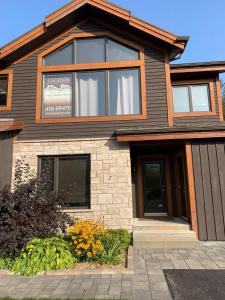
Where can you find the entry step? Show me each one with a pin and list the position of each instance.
(163, 233)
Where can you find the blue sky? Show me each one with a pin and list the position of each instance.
(202, 20)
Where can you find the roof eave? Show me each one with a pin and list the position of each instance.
(177, 43)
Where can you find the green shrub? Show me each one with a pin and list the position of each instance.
(44, 255)
(122, 235)
(6, 263)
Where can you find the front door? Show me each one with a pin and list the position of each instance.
(154, 189)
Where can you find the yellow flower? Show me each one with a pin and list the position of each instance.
(89, 254)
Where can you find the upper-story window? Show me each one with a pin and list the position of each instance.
(92, 77)
(5, 89)
(191, 98)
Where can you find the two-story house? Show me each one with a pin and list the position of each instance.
(93, 94)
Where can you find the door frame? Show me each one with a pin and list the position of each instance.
(140, 204)
(177, 183)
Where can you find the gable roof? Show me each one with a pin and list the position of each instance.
(176, 43)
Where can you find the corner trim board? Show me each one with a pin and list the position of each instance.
(191, 187)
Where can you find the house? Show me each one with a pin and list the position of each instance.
(94, 94)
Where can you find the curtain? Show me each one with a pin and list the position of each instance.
(87, 95)
(124, 92)
(125, 95)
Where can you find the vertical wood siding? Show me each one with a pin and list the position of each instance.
(24, 97)
(209, 175)
(6, 152)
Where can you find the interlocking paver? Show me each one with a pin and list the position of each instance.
(146, 282)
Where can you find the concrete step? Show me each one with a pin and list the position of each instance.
(160, 224)
(161, 227)
(163, 233)
(166, 234)
(167, 244)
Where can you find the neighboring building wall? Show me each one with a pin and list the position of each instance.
(6, 148)
(209, 176)
(111, 188)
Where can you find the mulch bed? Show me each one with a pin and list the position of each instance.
(196, 284)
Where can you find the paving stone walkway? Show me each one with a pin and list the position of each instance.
(147, 281)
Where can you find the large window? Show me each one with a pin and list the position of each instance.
(191, 98)
(91, 93)
(90, 50)
(69, 173)
(93, 77)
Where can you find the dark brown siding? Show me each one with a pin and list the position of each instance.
(6, 149)
(24, 98)
(209, 175)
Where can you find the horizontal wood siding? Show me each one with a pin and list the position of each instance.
(24, 97)
(6, 151)
(209, 174)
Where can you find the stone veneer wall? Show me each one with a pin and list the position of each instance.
(111, 188)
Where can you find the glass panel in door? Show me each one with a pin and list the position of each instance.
(154, 198)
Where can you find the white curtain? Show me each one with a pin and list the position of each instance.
(86, 103)
(127, 98)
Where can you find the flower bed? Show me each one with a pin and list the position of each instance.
(30, 220)
(87, 243)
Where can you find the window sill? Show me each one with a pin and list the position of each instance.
(92, 119)
(194, 114)
(5, 108)
(77, 210)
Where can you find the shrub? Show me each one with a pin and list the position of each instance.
(123, 235)
(44, 255)
(86, 237)
(30, 210)
(5, 263)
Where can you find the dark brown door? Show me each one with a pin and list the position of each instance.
(154, 189)
(182, 188)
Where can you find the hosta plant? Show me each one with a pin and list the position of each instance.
(44, 255)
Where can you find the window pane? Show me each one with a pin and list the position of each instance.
(90, 94)
(62, 56)
(3, 90)
(124, 92)
(47, 171)
(181, 99)
(90, 50)
(74, 174)
(57, 96)
(200, 97)
(119, 52)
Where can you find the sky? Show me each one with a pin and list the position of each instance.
(202, 20)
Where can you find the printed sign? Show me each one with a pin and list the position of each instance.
(57, 96)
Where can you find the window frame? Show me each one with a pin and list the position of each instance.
(9, 75)
(189, 83)
(56, 158)
(140, 64)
